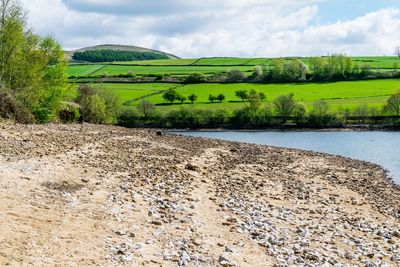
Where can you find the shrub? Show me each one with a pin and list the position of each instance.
(195, 78)
(93, 109)
(192, 98)
(220, 98)
(69, 113)
(284, 106)
(146, 108)
(170, 95)
(235, 76)
(242, 94)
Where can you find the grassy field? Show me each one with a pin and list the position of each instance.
(83, 70)
(127, 92)
(340, 94)
(207, 66)
(173, 70)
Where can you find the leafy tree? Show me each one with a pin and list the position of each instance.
(262, 96)
(195, 78)
(98, 105)
(242, 94)
(320, 108)
(235, 76)
(284, 106)
(146, 108)
(277, 71)
(295, 71)
(255, 99)
(170, 95)
(192, 98)
(32, 68)
(93, 109)
(212, 98)
(397, 51)
(181, 98)
(299, 113)
(220, 98)
(392, 106)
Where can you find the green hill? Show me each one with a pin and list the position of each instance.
(69, 54)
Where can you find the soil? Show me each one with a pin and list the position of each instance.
(86, 195)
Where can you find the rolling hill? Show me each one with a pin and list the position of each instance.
(132, 48)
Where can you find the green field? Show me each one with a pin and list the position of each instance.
(206, 66)
(83, 70)
(127, 92)
(173, 70)
(344, 94)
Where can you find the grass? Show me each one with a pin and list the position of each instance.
(207, 66)
(173, 70)
(339, 94)
(161, 62)
(83, 70)
(127, 92)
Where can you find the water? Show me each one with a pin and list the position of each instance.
(382, 148)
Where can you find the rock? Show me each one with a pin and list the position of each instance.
(156, 222)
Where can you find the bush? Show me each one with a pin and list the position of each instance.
(195, 78)
(69, 113)
(93, 109)
(8, 106)
(235, 76)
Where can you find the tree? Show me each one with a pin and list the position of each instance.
(255, 99)
(284, 106)
(262, 96)
(392, 106)
(320, 108)
(220, 98)
(170, 95)
(235, 76)
(195, 78)
(212, 98)
(181, 98)
(278, 69)
(146, 108)
(32, 68)
(295, 71)
(192, 98)
(397, 51)
(242, 94)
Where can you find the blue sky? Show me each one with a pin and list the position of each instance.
(332, 11)
(242, 28)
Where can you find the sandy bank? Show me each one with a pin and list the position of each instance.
(94, 195)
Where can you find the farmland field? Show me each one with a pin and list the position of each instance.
(339, 94)
(126, 91)
(83, 70)
(173, 70)
(207, 66)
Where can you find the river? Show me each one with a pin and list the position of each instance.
(380, 147)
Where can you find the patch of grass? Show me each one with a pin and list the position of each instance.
(83, 70)
(173, 70)
(344, 94)
(127, 92)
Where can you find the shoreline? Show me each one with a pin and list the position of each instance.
(106, 195)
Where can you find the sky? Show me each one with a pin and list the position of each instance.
(235, 28)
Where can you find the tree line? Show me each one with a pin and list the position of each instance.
(116, 55)
(283, 110)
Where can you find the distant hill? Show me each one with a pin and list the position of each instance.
(132, 48)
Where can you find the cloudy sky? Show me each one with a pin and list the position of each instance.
(247, 28)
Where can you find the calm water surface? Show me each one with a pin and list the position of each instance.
(382, 148)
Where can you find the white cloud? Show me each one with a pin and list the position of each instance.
(253, 28)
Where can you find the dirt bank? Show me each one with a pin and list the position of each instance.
(87, 195)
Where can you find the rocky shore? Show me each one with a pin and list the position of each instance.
(84, 195)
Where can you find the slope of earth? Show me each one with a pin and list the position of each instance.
(84, 195)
